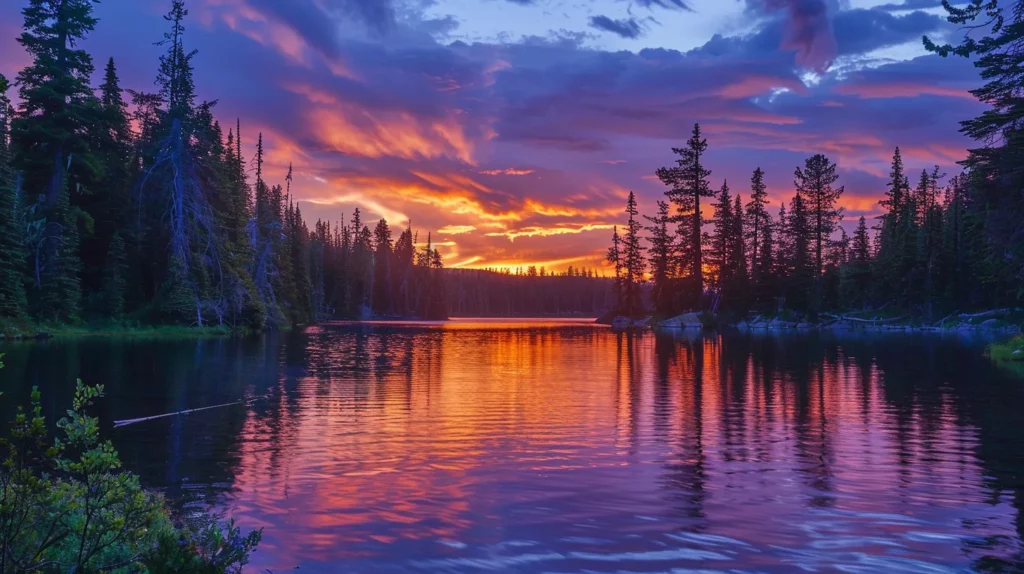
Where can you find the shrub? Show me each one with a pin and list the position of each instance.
(67, 505)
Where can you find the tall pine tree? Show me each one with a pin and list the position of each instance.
(688, 184)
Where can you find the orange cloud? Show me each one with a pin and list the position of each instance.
(550, 210)
(456, 229)
(243, 19)
(507, 171)
(551, 264)
(364, 202)
(899, 90)
(351, 130)
(537, 231)
(751, 86)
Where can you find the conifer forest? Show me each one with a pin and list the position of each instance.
(945, 242)
(120, 204)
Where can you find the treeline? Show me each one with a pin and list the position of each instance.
(484, 293)
(939, 245)
(149, 213)
(929, 252)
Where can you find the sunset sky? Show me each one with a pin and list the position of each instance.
(513, 129)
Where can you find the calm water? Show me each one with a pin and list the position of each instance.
(563, 447)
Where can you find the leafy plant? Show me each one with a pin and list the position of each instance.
(67, 505)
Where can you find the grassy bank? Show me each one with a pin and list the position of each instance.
(14, 329)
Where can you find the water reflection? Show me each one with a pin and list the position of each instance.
(564, 447)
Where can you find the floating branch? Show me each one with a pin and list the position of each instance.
(844, 318)
(247, 402)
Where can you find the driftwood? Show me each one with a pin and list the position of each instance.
(985, 315)
(127, 422)
(856, 320)
(946, 318)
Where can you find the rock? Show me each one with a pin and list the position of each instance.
(621, 323)
(684, 321)
(42, 336)
(843, 326)
(989, 325)
(365, 313)
(777, 324)
(805, 326)
(743, 325)
(1018, 354)
(642, 322)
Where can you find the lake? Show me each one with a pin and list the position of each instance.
(560, 446)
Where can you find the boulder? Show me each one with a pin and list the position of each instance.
(989, 325)
(621, 322)
(642, 322)
(1018, 354)
(684, 321)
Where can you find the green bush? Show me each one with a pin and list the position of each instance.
(67, 505)
(1005, 351)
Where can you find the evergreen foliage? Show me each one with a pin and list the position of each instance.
(161, 223)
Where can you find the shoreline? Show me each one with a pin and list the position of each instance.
(995, 322)
(22, 333)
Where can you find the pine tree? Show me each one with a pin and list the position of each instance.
(720, 256)
(856, 278)
(660, 258)
(12, 256)
(782, 250)
(688, 183)
(894, 241)
(615, 257)
(49, 132)
(109, 208)
(739, 248)
(757, 218)
(60, 287)
(175, 74)
(815, 184)
(800, 255)
(382, 261)
(632, 259)
(766, 284)
(115, 279)
(994, 216)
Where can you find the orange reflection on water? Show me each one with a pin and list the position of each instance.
(403, 443)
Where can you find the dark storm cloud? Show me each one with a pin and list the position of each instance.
(627, 27)
(808, 29)
(668, 4)
(910, 5)
(851, 32)
(860, 31)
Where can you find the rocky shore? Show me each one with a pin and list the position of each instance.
(993, 322)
